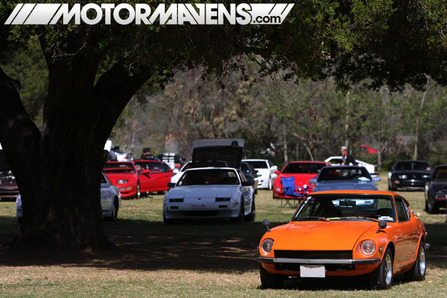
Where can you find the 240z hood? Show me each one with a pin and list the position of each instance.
(320, 235)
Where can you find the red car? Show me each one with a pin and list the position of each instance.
(301, 171)
(124, 175)
(153, 175)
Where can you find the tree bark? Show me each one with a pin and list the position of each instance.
(59, 169)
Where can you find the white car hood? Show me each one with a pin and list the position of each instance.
(193, 191)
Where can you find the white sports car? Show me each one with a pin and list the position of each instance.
(337, 160)
(266, 172)
(210, 192)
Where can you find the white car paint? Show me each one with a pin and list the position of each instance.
(266, 173)
(336, 161)
(206, 199)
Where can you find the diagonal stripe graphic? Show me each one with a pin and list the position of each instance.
(13, 14)
(23, 14)
(42, 14)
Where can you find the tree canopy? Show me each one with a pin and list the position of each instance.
(94, 70)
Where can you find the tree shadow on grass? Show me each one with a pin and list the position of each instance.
(144, 245)
(201, 246)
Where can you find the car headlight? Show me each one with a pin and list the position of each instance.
(403, 177)
(368, 247)
(122, 181)
(266, 246)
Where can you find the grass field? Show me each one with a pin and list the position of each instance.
(191, 260)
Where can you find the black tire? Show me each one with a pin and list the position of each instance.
(138, 193)
(241, 216)
(116, 207)
(390, 186)
(162, 192)
(427, 208)
(382, 277)
(252, 215)
(114, 215)
(432, 209)
(168, 221)
(419, 269)
(270, 281)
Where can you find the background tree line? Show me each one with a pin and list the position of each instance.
(280, 119)
(285, 120)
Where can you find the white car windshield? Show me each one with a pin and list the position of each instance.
(209, 177)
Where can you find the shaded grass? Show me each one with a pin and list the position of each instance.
(204, 259)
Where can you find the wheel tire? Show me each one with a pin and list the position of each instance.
(427, 207)
(168, 221)
(382, 277)
(114, 215)
(432, 209)
(390, 186)
(419, 269)
(138, 193)
(270, 281)
(252, 215)
(241, 216)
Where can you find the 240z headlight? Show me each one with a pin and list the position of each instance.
(266, 246)
(368, 247)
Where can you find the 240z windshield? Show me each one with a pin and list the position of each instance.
(346, 207)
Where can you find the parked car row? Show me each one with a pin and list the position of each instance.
(138, 176)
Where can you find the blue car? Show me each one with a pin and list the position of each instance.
(344, 178)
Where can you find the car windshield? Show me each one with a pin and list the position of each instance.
(440, 175)
(346, 207)
(209, 177)
(245, 168)
(258, 164)
(119, 167)
(303, 168)
(344, 174)
(151, 166)
(412, 165)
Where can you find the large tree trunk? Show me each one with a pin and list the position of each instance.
(58, 170)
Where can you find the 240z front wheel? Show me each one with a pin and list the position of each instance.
(270, 281)
(382, 277)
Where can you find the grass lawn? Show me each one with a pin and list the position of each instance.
(189, 260)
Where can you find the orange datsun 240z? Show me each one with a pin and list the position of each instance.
(373, 234)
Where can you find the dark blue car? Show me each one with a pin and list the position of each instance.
(344, 178)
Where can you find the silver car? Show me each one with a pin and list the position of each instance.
(110, 200)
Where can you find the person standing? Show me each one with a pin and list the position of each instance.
(347, 158)
(147, 154)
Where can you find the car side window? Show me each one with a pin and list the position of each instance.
(403, 213)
